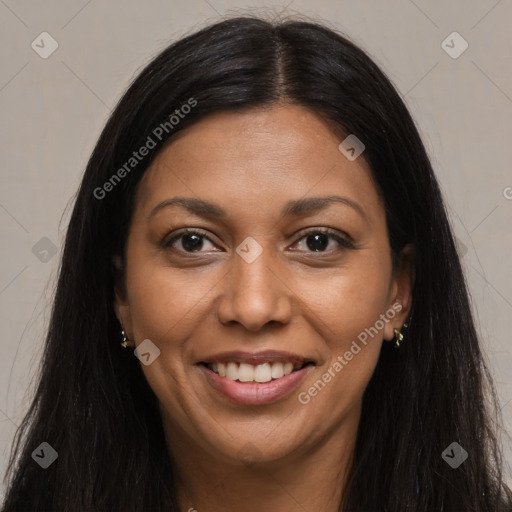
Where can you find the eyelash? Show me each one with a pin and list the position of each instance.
(334, 234)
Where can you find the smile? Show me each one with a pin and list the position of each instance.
(244, 372)
(255, 379)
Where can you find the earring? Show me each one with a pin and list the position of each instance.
(399, 335)
(398, 338)
(126, 343)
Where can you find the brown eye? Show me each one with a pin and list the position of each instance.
(317, 240)
(190, 241)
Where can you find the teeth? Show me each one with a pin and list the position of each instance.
(277, 370)
(263, 373)
(232, 371)
(288, 368)
(248, 373)
(245, 373)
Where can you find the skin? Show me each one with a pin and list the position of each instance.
(287, 455)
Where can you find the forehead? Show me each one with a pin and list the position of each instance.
(270, 156)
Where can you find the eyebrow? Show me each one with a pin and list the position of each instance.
(295, 208)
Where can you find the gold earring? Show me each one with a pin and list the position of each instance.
(398, 337)
(126, 343)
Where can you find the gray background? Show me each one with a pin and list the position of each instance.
(52, 111)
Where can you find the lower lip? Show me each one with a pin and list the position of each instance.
(255, 393)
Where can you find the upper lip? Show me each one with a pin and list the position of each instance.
(255, 358)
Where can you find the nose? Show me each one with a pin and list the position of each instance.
(255, 294)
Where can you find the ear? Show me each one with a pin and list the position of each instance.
(121, 305)
(401, 291)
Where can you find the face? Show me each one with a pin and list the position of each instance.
(257, 307)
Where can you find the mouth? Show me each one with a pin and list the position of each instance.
(255, 379)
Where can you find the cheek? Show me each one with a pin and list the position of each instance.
(346, 319)
(350, 301)
(164, 309)
(163, 300)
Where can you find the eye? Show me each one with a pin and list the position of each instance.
(191, 240)
(317, 240)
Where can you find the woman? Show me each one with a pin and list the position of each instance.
(260, 221)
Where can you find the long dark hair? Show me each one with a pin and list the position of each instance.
(94, 406)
